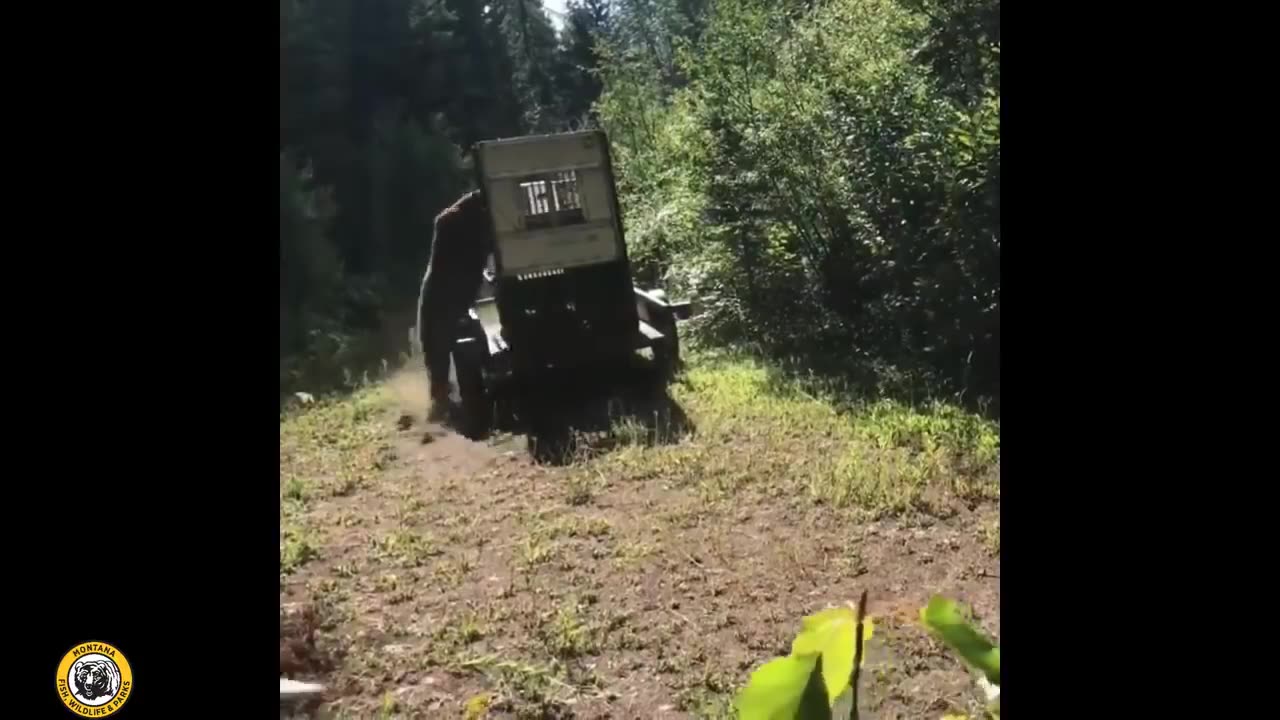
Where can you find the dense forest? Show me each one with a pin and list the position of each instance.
(823, 176)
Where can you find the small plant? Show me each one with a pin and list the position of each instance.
(579, 490)
(991, 536)
(346, 485)
(819, 679)
(574, 526)
(295, 550)
(389, 707)
(452, 573)
(633, 550)
(409, 549)
(629, 432)
(947, 621)
(294, 489)
(535, 551)
(567, 636)
(477, 707)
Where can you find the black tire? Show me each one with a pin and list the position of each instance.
(476, 405)
(550, 440)
(666, 354)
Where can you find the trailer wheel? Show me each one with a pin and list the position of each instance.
(666, 354)
(476, 405)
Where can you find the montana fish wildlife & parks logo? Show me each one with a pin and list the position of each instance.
(94, 679)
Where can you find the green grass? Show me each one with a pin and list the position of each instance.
(536, 550)
(579, 489)
(294, 489)
(756, 437)
(708, 704)
(406, 548)
(574, 526)
(567, 635)
(328, 448)
(453, 573)
(477, 707)
(755, 430)
(529, 689)
(991, 536)
(297, 547)
(337, 444)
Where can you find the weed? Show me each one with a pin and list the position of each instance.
(456, 520)
(330, 608)
(566, 635)
(322, 587)
(526, 689)
(707, 704)
(346, 485)
(990, 534)
(390, 706)
(296, 549)
(687, 517)
(471, 629)
(757, 432)
(575, 526)
(453, 573)
(294, 489)
(633, 550)
(349, 520)
(579, 489)
(477, 707)
(535, 550)
(629, 432)
(333, 445)
(406, 548)
(407, 517)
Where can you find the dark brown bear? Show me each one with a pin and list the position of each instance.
(459, 251)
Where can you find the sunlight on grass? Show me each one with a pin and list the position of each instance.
(756, 430)
(332, 447)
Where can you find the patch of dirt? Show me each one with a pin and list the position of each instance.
(469, 578)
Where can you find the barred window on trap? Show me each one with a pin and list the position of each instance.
(551, 200)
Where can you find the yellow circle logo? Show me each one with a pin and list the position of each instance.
(94, 679)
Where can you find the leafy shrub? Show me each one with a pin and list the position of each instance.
(820, 188)
(819, 679)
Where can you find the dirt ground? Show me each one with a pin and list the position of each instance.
(464, 579)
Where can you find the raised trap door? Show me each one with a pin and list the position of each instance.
(563, 275)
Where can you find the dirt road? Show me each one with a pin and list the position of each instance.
(425, 575)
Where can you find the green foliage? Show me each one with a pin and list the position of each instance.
(296, 549)
(823, 177)
(822, 658)
(781, 690)
(377, 102)
(309, 265)
(831, 634)
(944, 618)
(818, 186)
(815, 676)
(580, 57)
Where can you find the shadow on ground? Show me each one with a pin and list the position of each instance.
(569, 417)
(850, 383)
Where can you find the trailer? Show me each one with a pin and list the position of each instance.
(559, 293)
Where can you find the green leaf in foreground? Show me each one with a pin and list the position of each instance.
(831, 633)
(943, 618)
(807, 683)
(777, 691)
